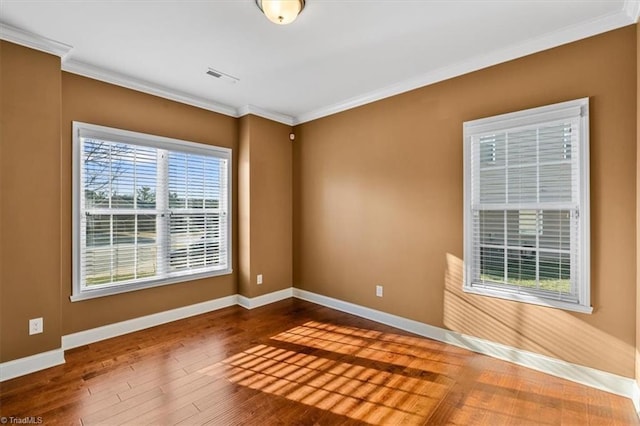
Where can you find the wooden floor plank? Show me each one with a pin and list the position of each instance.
(166, 415)
(294, 362)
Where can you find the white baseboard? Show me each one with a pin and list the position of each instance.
(265, 299)
(584, 375)
(118, 329)
(588, 376)
(636, 397)
(30, 364)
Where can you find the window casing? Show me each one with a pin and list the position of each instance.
(147, 211)
(526, 214)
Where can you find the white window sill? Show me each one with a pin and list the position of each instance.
(119, 289)
(527, 298)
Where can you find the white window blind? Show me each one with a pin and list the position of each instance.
(148, 211)
(526, 206)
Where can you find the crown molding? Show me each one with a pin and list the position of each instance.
(629, 14)
(112, 77)
(551, 40)
(264, 113)
(37, 42)
(632, 9)
(33, 41)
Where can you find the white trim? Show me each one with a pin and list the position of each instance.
(33, 363)
(264, 113)
(588, 376)
(373, 315)
(38, 42)
(30, 364)
(527, 298)
(84, 130)
(635, 397)
(33, 41)
(112, 77)
(265, 299)
(528, 117)
(598, 379)
(127, 288)
(632, 9)
(627, 16)
(86, 337)
(566, 35)
(574, 111)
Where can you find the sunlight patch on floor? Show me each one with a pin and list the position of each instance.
(365, 375)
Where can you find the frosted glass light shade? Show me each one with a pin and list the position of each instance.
(281, 12)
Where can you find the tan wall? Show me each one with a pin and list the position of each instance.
(244, 206)
(29, 201)
(378, 199)
(266, 206)
(95, 102)
(637, 204)
(38, 106)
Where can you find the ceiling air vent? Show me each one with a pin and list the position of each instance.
(222, 76)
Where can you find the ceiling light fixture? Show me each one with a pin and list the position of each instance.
(281, 12)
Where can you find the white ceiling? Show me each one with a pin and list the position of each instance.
(338, 54)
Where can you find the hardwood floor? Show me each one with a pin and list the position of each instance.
(294, 362)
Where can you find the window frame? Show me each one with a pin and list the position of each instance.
(575, 109)
(85, 130)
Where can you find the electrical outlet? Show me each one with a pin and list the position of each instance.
(36, 326)
(259, 279)
(379, 290)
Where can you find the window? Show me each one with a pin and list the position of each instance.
(526, 211)
(148, 211)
